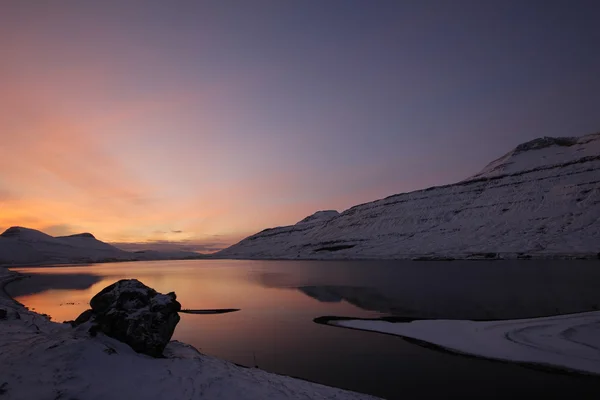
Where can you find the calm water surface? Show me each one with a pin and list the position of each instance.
(280, 299)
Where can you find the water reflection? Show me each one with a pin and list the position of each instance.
(45, 282)
(367, 298)
(458, 290)
(280, 299)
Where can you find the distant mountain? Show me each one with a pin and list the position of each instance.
(20, 245)
(541, 199)
(24, 246)
(149, 255)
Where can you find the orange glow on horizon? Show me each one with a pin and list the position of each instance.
(117, 138)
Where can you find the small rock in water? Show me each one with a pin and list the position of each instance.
(2, 313)
(135, 314)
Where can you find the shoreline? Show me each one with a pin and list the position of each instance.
(16, 276)
(421, 258)
(40, 358)
(325, 321)
(508, 256)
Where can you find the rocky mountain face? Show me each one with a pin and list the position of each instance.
(542, 199)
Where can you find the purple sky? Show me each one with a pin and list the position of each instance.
(200, 122)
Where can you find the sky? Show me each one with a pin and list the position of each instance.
(192, 124)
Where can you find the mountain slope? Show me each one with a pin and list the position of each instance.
(542, 198)
(20, 245)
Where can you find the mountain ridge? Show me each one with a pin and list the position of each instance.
(550, 182)
(26, 246)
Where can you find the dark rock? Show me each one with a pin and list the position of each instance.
(483, 256)
(433, 258)
(544, 142)
(83, 318)
(335, 248)
(135, 314)
(2, 313)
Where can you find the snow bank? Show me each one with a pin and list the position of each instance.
(42, 359)
(569, 342)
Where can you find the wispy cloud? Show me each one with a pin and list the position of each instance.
(4, 195)
(60, 230)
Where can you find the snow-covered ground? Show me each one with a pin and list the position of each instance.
(40, 359)
(23, 246)
(570, 342)
(542, 199)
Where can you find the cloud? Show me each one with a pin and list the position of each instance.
(59, 230)
(64, 152)
(178, 231)
(5, 195)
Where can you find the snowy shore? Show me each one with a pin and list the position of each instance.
(565, 342)
(44, 359)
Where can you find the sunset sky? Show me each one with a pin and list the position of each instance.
(196, 123)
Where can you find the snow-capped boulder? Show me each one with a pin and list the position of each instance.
(135, 314)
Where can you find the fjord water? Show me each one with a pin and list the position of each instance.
(280, 299)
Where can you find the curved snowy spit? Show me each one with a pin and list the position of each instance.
(570, 342)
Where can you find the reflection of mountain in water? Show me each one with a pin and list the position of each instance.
(457, 290)
(38, 283)
(453, 305)
(362, 297)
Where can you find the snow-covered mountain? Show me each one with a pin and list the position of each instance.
(21, 246)
(540, 199)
